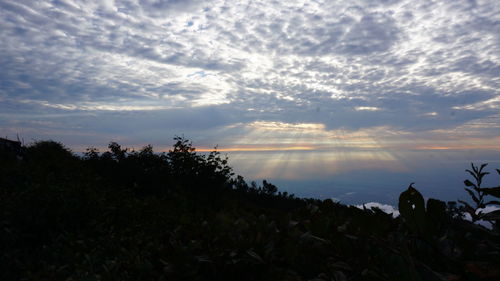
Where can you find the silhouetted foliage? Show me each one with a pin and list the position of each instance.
(479, 196)
(140, 215)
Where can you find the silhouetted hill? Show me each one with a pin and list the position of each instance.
(139, 215)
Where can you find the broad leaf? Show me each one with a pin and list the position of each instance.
(492, 203)
(469, 183)
(493, 191)
(495, 215)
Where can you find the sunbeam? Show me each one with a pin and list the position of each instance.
(302, 150)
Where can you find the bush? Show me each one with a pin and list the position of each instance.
(139, 215)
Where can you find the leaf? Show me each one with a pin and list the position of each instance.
(493, 191)
(427, 274)
(482, 166)
(473, 174)
(474, 168)
(292, 223)
(481, 175)
(203, 259)
(492, 203)
(495, 215)
(340, 276)
(472, 195)
(309, 236)
(469, 183)
(255, 256)
(483, 270)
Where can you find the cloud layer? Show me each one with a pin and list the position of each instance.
(148, 69)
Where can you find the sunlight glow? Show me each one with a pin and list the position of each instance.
(367, 108)
(302, 150)
(265, 149)
(280, 126)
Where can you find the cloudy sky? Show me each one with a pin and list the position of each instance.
(376, 76)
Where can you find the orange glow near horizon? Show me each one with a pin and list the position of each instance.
(261, 136)
(292, 151)
(458, 147)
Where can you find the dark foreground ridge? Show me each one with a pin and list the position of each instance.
(138, 215)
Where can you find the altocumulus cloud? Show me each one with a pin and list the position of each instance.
(95, 70)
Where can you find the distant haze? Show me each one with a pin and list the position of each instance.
(355, 180)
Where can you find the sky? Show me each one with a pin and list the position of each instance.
(291, 90)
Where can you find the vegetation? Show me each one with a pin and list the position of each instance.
(478, 195)
(138, 215)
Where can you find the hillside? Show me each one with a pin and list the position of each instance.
(140, 215)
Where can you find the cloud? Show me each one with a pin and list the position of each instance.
(486, 210)
(162, 8)
(354, 65)
(374, 33)
(384, 207)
